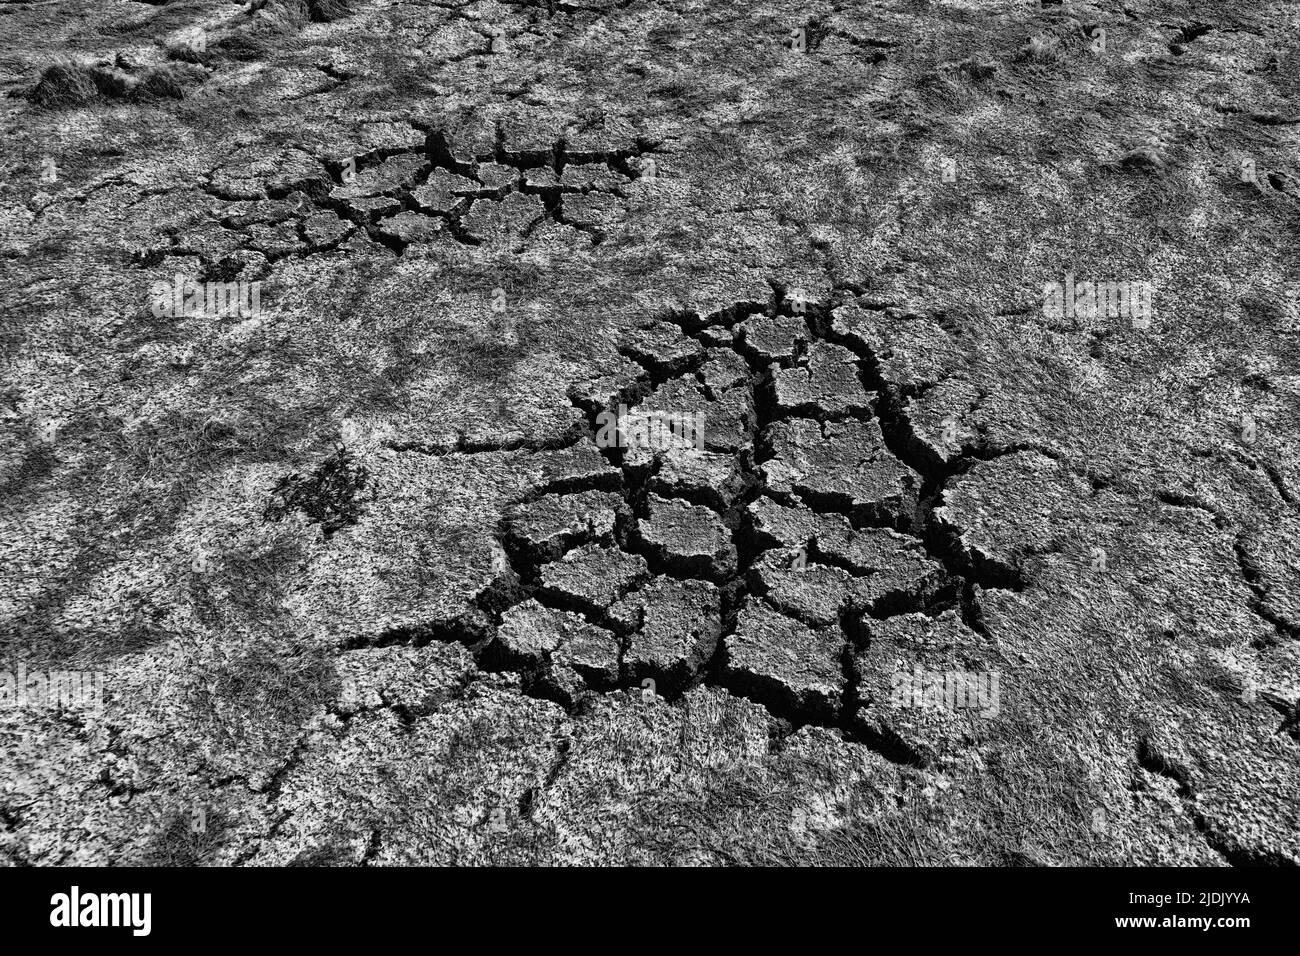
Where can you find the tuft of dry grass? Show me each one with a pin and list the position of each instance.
(64, 85)
(328, 496)
(163, 83)
(327, 11)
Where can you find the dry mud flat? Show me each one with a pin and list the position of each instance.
(949, 578)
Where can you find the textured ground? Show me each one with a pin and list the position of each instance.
(363, 587)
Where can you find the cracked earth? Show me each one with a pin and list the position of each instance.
(367, 586)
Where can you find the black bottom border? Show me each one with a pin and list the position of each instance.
(335, 906)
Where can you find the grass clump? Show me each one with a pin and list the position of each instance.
(64, 85)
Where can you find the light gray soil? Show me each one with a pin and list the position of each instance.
(364, 590)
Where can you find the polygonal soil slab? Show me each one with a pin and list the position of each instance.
(325, 228)
(773, 338)
(780, 526)
(388, 177)
(532, 634)
(826, 384)
(496, 179)
(709, 478)
(276, 240)
(540, 177)
(727, 422)
(592, 652)
(372, 208)
(841, 466)
(592, 578)
(579, 467)
(411, 227)
(444, 191)
(911, 349)
(875, 551)
(926, 686)
(689, 539)
(784, 664)
(662, 347)
(723, 371)
(936, 425)
(891, 572)
(674, 627)
(717, 335)
(590, 176)
(553, 524)
(501, 223)
(816, 594)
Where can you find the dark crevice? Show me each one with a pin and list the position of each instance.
(1152, 760)
(1253, 577)
(1177, 500)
